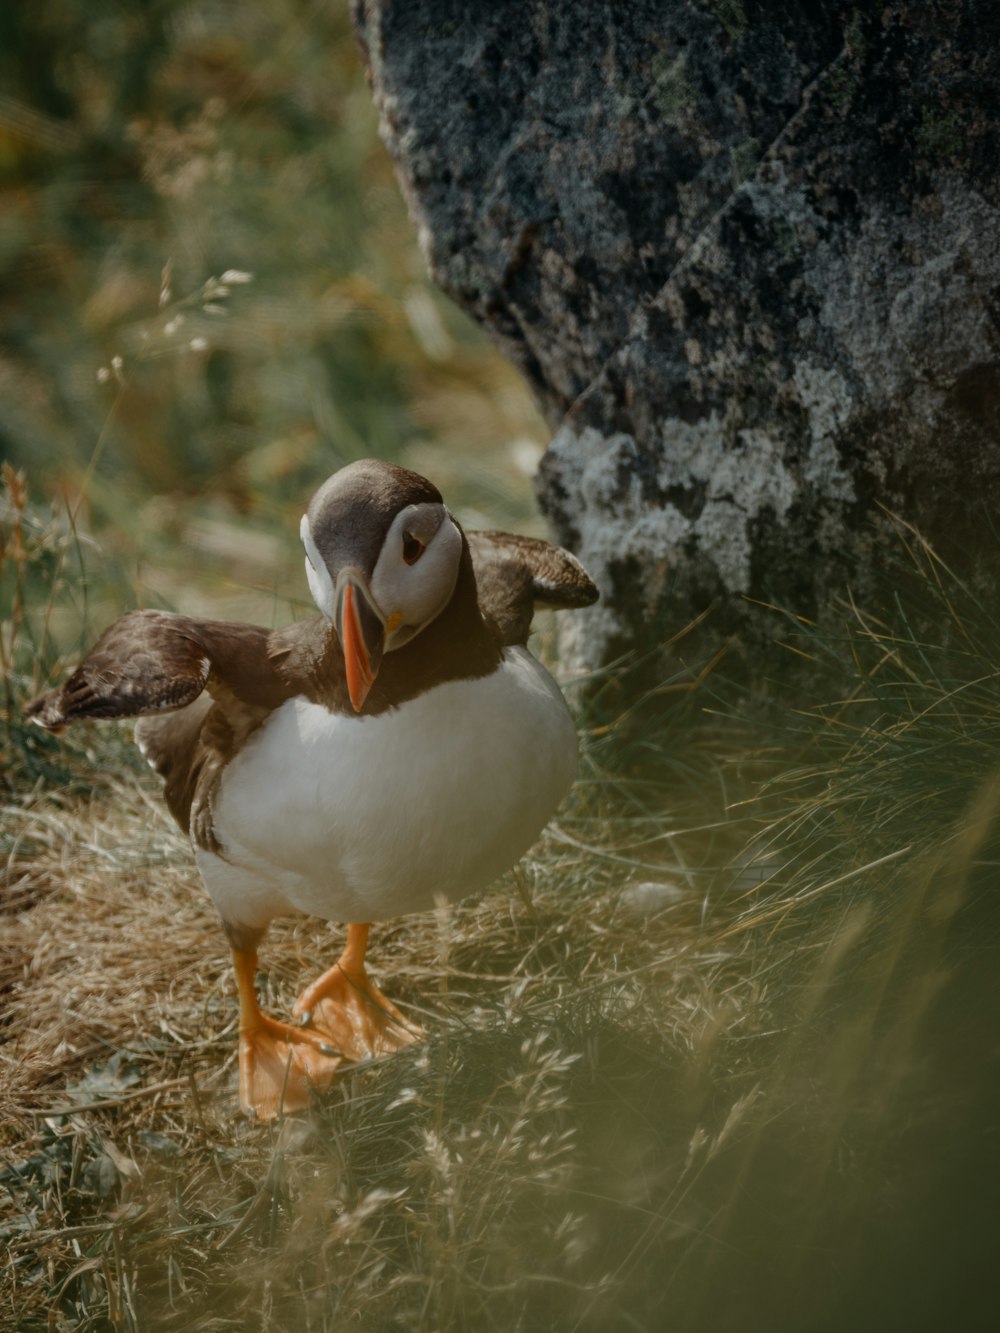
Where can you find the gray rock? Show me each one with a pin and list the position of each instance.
(749, 256)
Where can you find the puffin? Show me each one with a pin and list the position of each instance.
(399, 749)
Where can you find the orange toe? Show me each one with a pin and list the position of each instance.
(281, 1066)
(350, 1012)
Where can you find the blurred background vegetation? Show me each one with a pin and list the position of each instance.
(211, 296)
(761, 938)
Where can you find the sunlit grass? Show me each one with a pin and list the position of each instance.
(719, 1053)
(889, 769)
(216, 299)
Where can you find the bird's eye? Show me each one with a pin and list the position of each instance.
(412, 549)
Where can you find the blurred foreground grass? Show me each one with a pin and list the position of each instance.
(722, 1055)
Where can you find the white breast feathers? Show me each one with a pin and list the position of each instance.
(361, 818)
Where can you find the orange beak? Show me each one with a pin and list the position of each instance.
(361, 635)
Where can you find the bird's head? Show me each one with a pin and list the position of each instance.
(382, 560)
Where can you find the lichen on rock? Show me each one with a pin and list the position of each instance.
(748, 257)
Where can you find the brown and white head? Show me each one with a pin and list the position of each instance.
(382, 559)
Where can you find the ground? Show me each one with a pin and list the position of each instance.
(718, 1055)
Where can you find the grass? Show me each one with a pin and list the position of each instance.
(719, 1055)
(213, 297)
(420, 1195)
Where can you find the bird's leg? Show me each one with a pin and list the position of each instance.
(350, 1010)
(279, 1064)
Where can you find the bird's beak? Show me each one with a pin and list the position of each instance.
(362, 636)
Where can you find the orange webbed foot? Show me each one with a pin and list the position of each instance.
(353, 1015)
(281, 1066)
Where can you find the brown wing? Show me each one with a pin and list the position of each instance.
(198, 688)
(153, 661)
(515, 575)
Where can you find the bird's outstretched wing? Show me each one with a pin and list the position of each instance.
(515, 575)
(154, 661)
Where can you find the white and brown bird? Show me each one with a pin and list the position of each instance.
(400, 748)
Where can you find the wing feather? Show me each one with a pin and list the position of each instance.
(516, 575)
(155, 661)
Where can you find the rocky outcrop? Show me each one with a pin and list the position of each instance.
(747, 253)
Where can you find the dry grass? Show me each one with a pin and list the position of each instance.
(635, 1105)
(710, 1062)
(719, 1056)
(437, 1189)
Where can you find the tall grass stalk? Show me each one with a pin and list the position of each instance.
(719, 1056)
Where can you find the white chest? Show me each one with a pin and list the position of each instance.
(363, 818)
